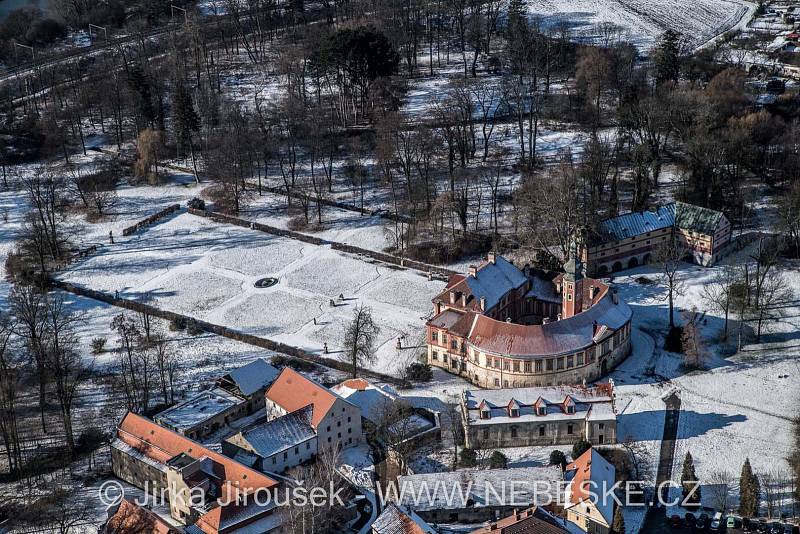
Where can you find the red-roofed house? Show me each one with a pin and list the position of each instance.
(336, 421)
(203, 486)
(590, 480)
(130, 518)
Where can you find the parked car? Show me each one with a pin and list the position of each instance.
(716, 522)
(689, 520)
(775, 527)
(702, 522)
(733, 522)
(675, 521)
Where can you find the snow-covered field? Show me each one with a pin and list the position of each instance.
(642, 21)
(207, 270)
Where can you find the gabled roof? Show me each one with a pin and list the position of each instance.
(292, 391)
(530, 521)
(253, 376)
(370, 399)
(697, 219)
(281, 433)
(161, 444)
(590, 476)
(397, 520)
(679, 214)
(495, 279)
(130, 518)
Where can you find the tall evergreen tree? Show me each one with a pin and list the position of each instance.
(689, 480)
(749, 491)
(184, 117)
(667, 57)
(618, 527)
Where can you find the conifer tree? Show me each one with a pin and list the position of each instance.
(689, 480)
(184, 117)
(749, 491)
(667, 57)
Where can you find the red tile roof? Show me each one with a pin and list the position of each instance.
(131, 518)
(524, 522)
(292, 391)
(161, 444)
(358, 384)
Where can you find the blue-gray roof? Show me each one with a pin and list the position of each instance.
(494, 280)
(679, 214)
(282, 433)
(637, 223)
(255, 375)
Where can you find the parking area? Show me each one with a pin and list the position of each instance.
(658, 523)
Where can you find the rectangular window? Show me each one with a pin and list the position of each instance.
(601, 426)
(435, 336)
(538, 366)
(497, 382)
(580, 358)
(505, 365)
(454, 344)
(516, 367)
(560, 363)
(541, 430)
(570, 362)
(435, 356)
(569, 429)
(550, 365)
(528, 367)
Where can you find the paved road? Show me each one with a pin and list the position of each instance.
(668, 442)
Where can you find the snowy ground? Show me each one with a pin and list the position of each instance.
(642, 21)
(200, 268)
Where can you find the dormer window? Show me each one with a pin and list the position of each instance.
(570, 409)
(541, 410)
(514, 412)
(485, 414)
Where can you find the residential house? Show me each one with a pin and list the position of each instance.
(250, 382)
(395, 519)
(531, 521)
(209, 491)
(203, 413)
(336, 421)
(589, 478)
(523, 417)
(277, 444)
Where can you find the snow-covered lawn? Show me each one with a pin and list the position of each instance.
(194, 266)
(642, 21)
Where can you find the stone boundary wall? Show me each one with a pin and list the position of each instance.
(439, 272)
(150, 220)
(223, 331)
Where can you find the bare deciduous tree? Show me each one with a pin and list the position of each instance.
(359, 339)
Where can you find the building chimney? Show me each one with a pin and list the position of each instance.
(483, 303)
(508, 319)
(464, 300)
(558, 317)
(493, 526)
(614, 296)
(594, 328)
(473, 271)
(491, 257)
(452, 297)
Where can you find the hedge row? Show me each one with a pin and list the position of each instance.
(223, 331)
(150, 220)
(380, 256)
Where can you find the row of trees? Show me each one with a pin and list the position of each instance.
(770, 488)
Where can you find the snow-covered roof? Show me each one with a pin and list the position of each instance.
(256, 375)
(133, 452)
(370, 399)
(495, 279)
(197, 409)
(455, 490)
(280, 434)
(395, 519)
(593, 403)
